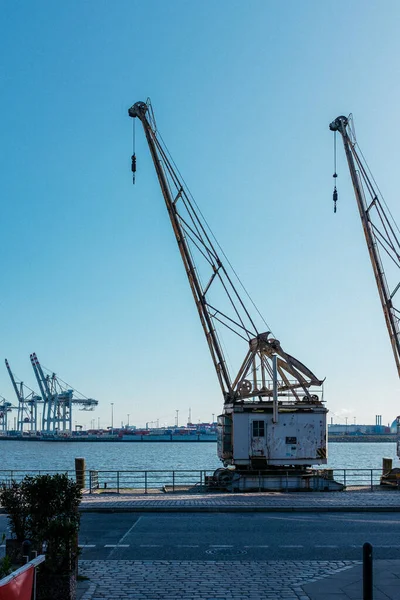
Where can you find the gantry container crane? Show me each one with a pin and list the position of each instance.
(381, 234)
(273, 415)
(51, 409)
(27, 404)
(58, 400)
(5, 408)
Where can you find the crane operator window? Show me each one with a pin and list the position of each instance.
(258, 429)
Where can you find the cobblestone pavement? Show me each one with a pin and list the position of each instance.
(355, 499)
(204, 580)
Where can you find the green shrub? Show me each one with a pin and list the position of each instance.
(44, 509)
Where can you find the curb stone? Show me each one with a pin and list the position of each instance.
(235, 509)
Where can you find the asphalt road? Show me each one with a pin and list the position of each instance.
(277, 536)
(219, 536)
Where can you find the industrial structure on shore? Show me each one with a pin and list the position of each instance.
(274, 416)
(50, 412)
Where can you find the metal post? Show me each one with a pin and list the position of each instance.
(344, 477)
(367, 572)
(145, 482)
(372, 480)
(173, 481)
(117, 482)
(90, 482)
(275, 388)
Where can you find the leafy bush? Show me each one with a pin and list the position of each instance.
(44, 509)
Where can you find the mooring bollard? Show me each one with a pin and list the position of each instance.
(387, 465)
(367, 571)
(80, 468)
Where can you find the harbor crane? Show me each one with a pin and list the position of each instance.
(274, 419)
(381, 233)
(5, 408)
(27, 404)
(58, 400)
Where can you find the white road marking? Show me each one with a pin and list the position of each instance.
(325, 546)
(187, 546)
(85, 546)
(221, 545)
(116, 545)
(256, 546)
(150, 545)
(291, 546)
(376, 546)
(122, 539)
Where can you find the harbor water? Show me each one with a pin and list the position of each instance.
(47, 456)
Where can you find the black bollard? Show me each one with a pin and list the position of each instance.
(80, 468)
(367, 572)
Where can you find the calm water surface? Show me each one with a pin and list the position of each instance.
(152, 456)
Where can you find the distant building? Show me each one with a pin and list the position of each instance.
(359, 429)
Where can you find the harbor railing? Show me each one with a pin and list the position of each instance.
(6, 476)
(196, 481)
(147, 481)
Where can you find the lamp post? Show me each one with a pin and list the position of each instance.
(112, 418)
(128, 419)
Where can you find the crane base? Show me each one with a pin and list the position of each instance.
(277, 480)
(392, 478)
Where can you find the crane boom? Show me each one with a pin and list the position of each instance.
(139, 110)
(193, 239)
(14, 384)
(379, 230)
(40, 377)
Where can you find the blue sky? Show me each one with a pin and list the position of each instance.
(243, 94)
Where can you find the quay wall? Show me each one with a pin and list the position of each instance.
(386, 437)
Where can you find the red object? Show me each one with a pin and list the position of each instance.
(19, 588)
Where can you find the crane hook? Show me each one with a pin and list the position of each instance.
(335, 197)
(133, 167)
(335, 194)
